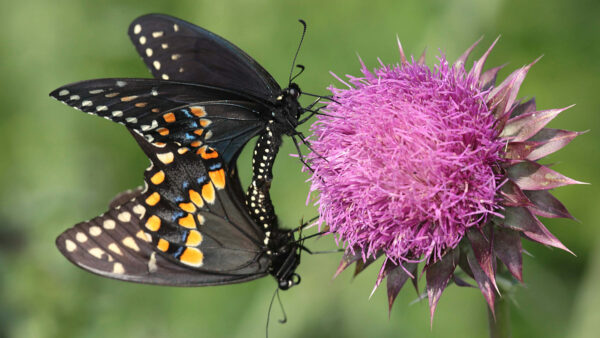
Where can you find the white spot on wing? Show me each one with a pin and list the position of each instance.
(115, 248)
(96, 252)
(74, 97)
(175, 56)
(137, 29)
(70, 245)
(86, 103)
(164, 45)
(124, 216)
(63, 92)
(156, 65)
(175, 27)
(109, 224)
(152, 267)
(165, 77)
(96, 91)
(101, 108)
(165, 158)
(95, 230)
(117, 113)
(142, 40)
(121, 83)
(131, 120)
(149, 52)
(118, 268)
(130, 243)
(81, 237)
(140, 210)
(157, 34)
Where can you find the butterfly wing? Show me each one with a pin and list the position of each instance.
(174, 49)
(166, 111)
(187, 228)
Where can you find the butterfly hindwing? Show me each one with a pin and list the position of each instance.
(165, 111)
(174, 49)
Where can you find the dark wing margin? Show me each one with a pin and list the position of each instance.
(174, 49)
(166, 111)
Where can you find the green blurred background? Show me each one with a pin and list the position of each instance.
(60, 166)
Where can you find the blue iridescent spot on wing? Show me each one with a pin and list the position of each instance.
(178, 252)
(185, 184)
(215, 166)
(187, 113)
(202, 179)
(177, 215)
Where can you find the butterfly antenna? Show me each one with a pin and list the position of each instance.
(269, 312)
(300, 72)
(284, 319)
(298, 50)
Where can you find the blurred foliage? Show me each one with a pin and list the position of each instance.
(60, 166)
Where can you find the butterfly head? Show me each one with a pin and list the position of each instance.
(286, 258)
(288, 109)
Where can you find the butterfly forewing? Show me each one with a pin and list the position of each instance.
(177, 50)
(165, 111)
(112, 245)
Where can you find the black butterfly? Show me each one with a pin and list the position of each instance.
(207, 92)
(187, 227)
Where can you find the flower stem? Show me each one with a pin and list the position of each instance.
(500, 326)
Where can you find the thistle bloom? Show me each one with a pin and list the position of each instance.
(436, 165)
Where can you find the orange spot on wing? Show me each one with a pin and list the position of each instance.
(187, 222)
(198, 132)
(208, 193)
(205, 122)
(196, 198)
(153, 199)
(207, 153)
(183, 150)
(189, 207)
(163, 131)
(194, 238)
(158, 178)
(153, 223)
(218, 178)
(196, 144)
(141, 104)
(162, 245)
(169, 117)
(128, 98)
(155, 110)
(192, 256)
(198, 111)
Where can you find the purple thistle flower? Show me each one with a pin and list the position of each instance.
(435, 165)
